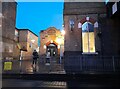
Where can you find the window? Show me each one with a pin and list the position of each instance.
(71, 23)
(88, 40)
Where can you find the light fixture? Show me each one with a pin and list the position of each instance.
(63, 32)
(59, 40)
(87, 18)
(44, 46)
(51, 41)
(33, 41)
(58, 46)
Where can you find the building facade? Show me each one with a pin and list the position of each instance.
(16, 47)
(113, 27)
(8, 17)
(28, 42)
(91, 41)
(81, 21)
(51, 40)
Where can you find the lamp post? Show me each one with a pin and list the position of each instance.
(61, 44)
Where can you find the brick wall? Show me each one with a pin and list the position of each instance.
(77, 12)
(8, 28)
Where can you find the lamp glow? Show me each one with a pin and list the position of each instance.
(33, 41)
(63, 32)
(44, 46)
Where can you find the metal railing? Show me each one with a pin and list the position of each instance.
(92, 63)
(71, 64)
(25, 66)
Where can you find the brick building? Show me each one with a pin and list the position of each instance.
(27, 43)
(16, 47)
(81, 21)
(51, 40)
(0, 30)
(14, 42)
(91, 42)
(8, 17)
(113, 28)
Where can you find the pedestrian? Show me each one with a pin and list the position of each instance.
(48, 58)
(35, 57)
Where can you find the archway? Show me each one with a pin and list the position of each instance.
(52, 49)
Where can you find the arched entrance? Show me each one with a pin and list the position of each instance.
(52, 49)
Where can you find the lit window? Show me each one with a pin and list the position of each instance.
(71, 23)
(88, 40)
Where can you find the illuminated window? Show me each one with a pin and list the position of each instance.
(71, 23)
(88, 40)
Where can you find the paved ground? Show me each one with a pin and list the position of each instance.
(26, 67)
(21, 83)
(33, 83)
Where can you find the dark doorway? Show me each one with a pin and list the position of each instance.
(52, 48)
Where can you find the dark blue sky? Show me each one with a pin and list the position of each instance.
(38, 16)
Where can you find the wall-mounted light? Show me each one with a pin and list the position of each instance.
(63, 32)
(44, 46)
(58, 46)
(87, 18)
(33, 41)
(59, 40)
(51, 41)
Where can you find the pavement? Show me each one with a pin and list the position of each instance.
(15, 83)
(63, 81)
(25, 67)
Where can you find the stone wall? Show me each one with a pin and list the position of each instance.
(8, 28)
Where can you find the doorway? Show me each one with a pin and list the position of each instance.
(52, 48)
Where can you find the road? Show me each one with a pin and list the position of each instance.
(63, 81)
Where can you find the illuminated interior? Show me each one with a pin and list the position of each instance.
(88, 39)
